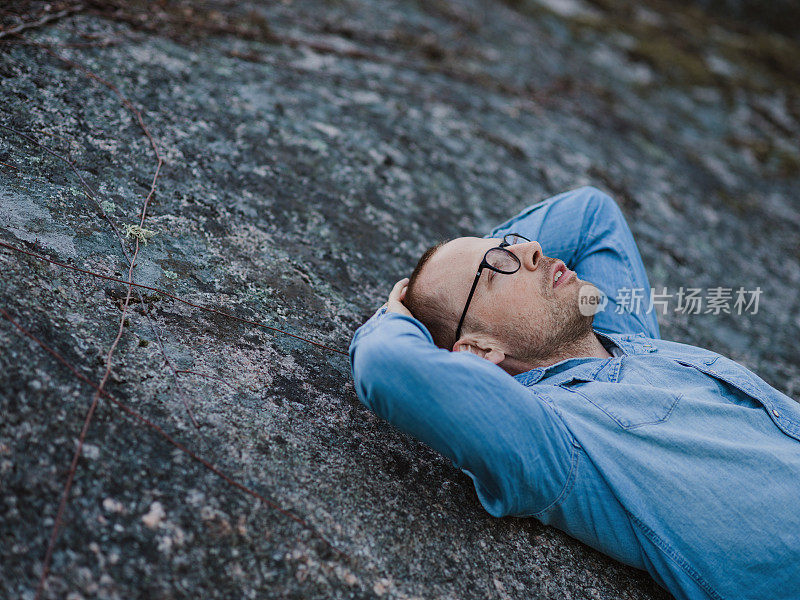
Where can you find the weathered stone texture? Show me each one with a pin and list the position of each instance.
(312, 151)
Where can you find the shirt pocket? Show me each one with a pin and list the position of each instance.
(628, 405)
(782, 409)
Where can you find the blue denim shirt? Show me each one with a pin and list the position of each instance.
(667, 457)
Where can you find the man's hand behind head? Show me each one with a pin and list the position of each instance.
(396, 297)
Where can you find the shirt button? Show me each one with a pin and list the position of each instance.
(776, 413)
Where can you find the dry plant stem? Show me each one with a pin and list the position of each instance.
(48, 44)
(92, 195)
(43, 21)
(135, 111)
(87, 421)
(129, 283)
(170, 365)
(159, 163)
(132, 264)
(88, 190)
(70, 142)
(122, 406)
(139, 118)
(128, 104)
(168, 295)
(529, 100)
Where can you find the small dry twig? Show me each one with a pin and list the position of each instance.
(43, 21)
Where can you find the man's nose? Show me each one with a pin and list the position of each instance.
(529, 253)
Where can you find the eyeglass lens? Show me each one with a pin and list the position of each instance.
(515, 238)
(502, 260)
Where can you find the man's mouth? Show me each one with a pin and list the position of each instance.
(561, 274)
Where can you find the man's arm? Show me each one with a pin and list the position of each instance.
(586, 229)
(508, 440)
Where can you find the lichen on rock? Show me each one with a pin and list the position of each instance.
(140, 233)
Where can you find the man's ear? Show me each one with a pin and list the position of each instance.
(480, 348)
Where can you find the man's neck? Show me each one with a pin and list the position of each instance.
(588, 347)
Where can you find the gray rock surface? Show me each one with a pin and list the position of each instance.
(312, 151)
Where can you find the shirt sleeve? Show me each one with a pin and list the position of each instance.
(587, 230)
(498, 432)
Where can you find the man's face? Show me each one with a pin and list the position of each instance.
(533, 313)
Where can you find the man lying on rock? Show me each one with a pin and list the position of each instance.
(665, 456)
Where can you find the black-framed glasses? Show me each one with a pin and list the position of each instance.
(497, 259)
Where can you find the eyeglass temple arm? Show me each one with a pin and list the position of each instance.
(466, 306)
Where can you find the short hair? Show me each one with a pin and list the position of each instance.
(430, 306)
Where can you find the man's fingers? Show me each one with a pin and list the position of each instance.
(395, 303)
(404, 288)
(398, 289)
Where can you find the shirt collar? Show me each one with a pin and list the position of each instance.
(629, 343)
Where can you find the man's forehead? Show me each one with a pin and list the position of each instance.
(451, 270)
(460, 257)
(470, 249)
